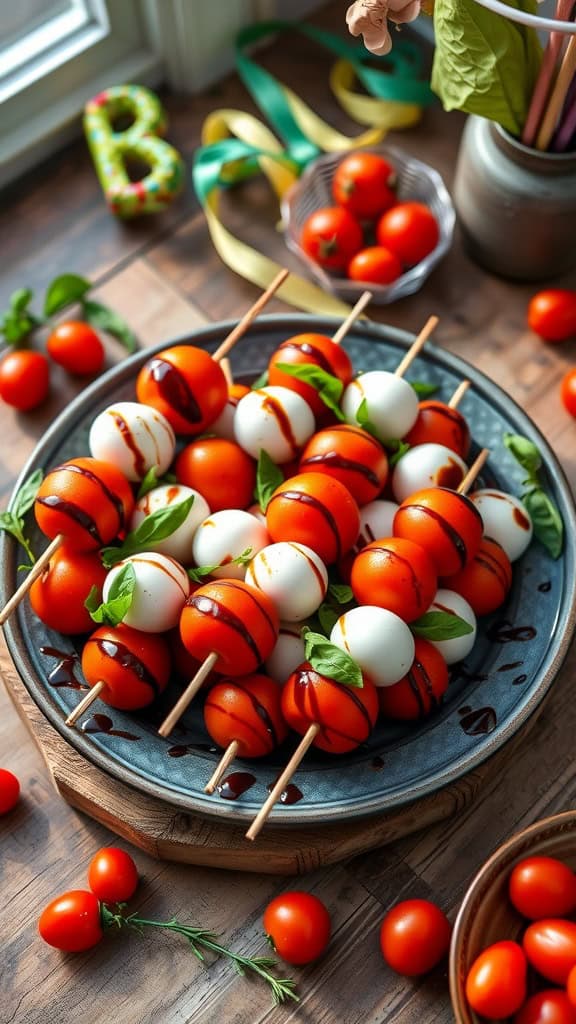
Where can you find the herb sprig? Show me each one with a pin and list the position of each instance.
(546, 519)
(12, 522)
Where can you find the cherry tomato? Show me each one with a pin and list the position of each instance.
(375, 265)
(346, 716)
(437, 423)
(543, 887)
(232, 619)
(246, 710)
(134, 665)
(496, 982)
(316, 510)
(552, 314)
(548, 1007)
(410, 230)
(298, 925)
(396, 574)
(421, 690)
(9, 790)
(414, 936)
(112, 875)
(486, 580)
(363, 184)
(317, 349)
(568, 392)
(220, 469)
(88, 501)
(24, 379)
(186, 385)
(550, 945)
(76, 346)
(350, 455)
(59, 593)
(331, 236)
(448, 525)
(571, 986)
(72, 921)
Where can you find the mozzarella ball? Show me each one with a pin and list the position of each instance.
(162, 586)
(134, 438)
(505, 519)
(292, 575)
(274, 419)
(287, 654)
(376, 522)
(391, 404)
(179, 544)
(378, 640)
(427, 465)
(460, 647)
(226, 535)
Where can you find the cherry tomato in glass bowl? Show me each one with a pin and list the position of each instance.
(552, 1006)
(410, 230)
(496, 981)
(375, 265)
(71, 922)
(76, 346)
(363, 184)
(550, 946)
(542, 887)
(568, 392)
(331, 236)
(414, 937)
(112, 875)
(552, 314)
(9, 790)
(24, 379)
(298, 926)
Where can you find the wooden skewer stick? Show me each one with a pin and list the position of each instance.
(33, 575)
(281, 783)
(243, 325)
(352, 317)
(416, 345)
(473, 472)
(189, 693)
(459, 394)
(227, 370)
(224, 763)
(85, 703)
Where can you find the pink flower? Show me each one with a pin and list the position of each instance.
(369, 19)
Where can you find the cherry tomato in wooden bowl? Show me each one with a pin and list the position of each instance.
(76, 346)
(364, 184)
(550, 945)
(552, 314)
(414, 937)
(112, 875)
(496, 981)
(548, 1007)
(24, 379)
(298, 927)
(543, 887)
(331, 236)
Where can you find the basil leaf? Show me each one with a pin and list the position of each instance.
(15, 527)
(112, 611)
(525, 452)
(328, 386)
(440, 626)
(331, 661)
(20, 299)
(268, 477)
(157, 526)
(546, 520)
(15, 326)
(197, 573)
(149, 482)
(26, 496)
(396, 449)
(63, 291)
(423, 389)
(364, 421)
(100, 316)
(340, 592)
(260, 381)
(328, 616)
(483, 64)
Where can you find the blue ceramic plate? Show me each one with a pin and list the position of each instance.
(516, 657)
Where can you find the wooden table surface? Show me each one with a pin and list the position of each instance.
(164, 277)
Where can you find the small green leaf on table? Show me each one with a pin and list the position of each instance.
(107, 320)
(63, 291)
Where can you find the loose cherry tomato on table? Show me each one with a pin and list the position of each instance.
(298, 925)
(76, 346)
(9, 790)
(375, 265)
(543, 887)
(410, 230)
(568, 392)
(362, 184)
(414, 936)
(550, 945)
(331, 237)
(496, 982)
(72, 921)
(552, 314)
(112, 875)
(548, 1007)
(24, 379)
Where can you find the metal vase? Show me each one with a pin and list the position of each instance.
(516, 205)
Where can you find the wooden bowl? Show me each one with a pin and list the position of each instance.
(487, 915)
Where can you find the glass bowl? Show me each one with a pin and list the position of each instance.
(416, 181)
